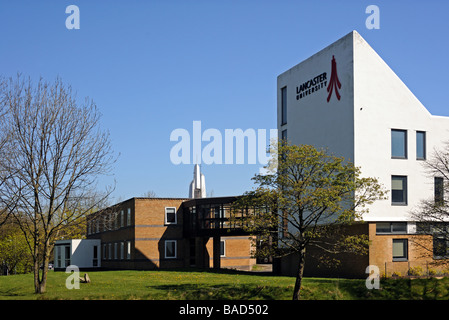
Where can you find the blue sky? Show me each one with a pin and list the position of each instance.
(154, 66)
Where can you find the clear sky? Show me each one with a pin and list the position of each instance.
(154, 66)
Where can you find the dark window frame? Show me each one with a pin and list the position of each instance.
(405, 243)
(391, 228)
(283, 105)
(404, 191)
(405, 156)
(439, 190)
(423, 145)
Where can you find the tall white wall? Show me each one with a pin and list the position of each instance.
(358, 126)
(313, 120)
(383, 102)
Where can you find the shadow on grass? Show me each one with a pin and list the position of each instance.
(400, 289)
(12, 292)
(221, 292)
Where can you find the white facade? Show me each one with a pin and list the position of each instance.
(358, 126)
(83, 253)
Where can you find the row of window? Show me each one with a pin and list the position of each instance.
(108, 222)
(440, 248)
(399, 190)
(122, 250)
(117, 250)
(399, 144)
(439, 232)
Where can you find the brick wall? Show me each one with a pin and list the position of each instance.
(148, 233)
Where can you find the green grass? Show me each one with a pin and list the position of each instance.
(198, 285)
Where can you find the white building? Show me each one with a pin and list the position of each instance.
(83, 253)
(347, 99)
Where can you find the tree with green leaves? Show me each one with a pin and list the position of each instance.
(307, 198)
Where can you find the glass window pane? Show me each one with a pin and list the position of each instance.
(439, 190)
(284, 105)
(222, 248)
(399, 227)
(399, 143)
(383, 227)
(420, 145)
(439, 246)
(399, 249)
(399, 190)
(170, 249)
(170, 215)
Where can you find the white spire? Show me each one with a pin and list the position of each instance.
(198, 185)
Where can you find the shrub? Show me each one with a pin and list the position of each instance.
(415, 271)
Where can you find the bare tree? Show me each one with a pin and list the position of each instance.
(56, 151)
(432, 214)
(149, 194)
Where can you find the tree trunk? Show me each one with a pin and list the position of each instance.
(36, 275)
(297, 290)
(40, 279)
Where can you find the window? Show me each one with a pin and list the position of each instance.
(104, 251)
(128, 217)
(67, 256)
(170, 249)
(439, 190)
(122, 250)
(391, 227)
(283, 105)
(170, 216)
(128, 250)
(122, 219)
(398, 144)
(58, 256)
(399, 190)
(222, 248)
(95, 257)
(440, 246)
(115, 251)
(110, 251)
(284, 135)
(420, 145)
(400, 249)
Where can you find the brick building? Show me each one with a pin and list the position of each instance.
(150, 233)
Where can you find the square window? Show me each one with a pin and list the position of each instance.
(170, 249)
(170, 216)
(399, 190)
(399, 144)
(400, 249)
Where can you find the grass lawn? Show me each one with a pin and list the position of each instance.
(201, 285)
